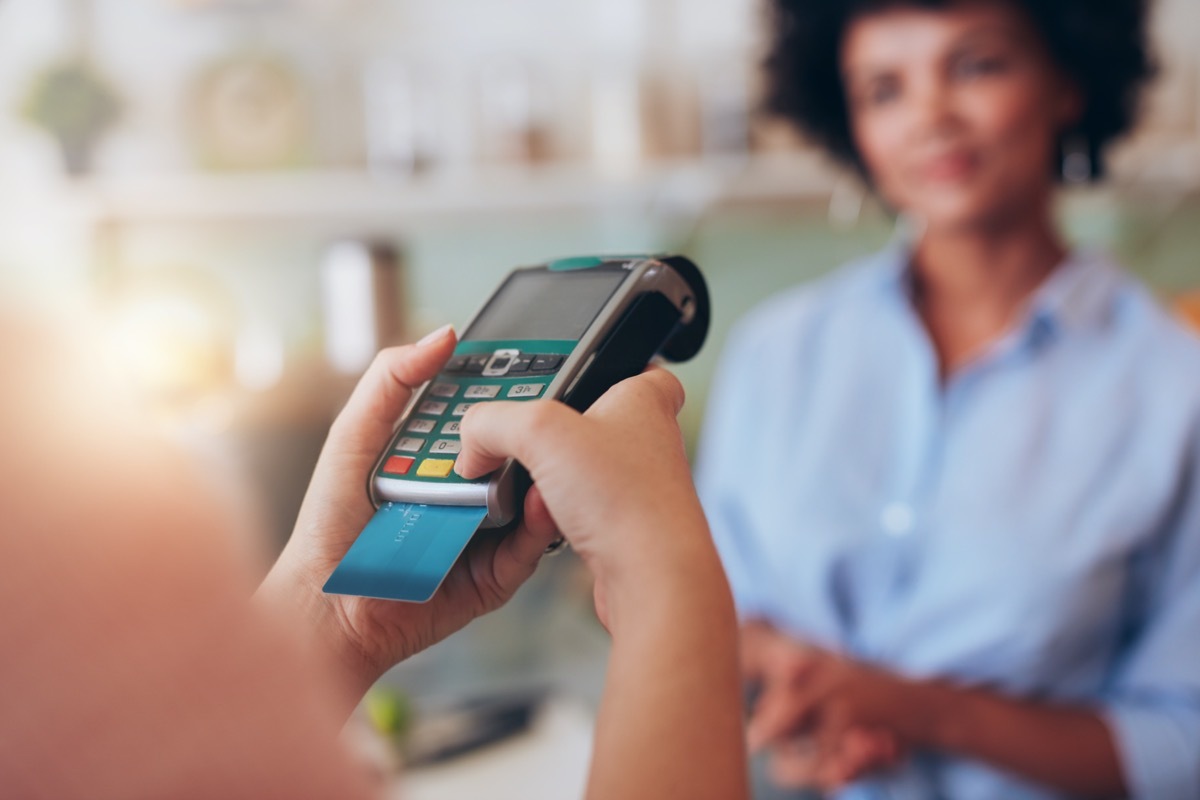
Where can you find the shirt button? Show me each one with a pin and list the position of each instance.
(897, 519)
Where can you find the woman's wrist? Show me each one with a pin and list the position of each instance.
(657, 582)
(935, 715)
(296, 599)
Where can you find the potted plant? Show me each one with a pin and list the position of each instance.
(76, 106)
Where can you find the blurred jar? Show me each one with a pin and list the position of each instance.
(512, 124)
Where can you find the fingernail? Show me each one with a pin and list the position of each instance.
(434, 336)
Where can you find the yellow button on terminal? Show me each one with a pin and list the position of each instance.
(435, 467)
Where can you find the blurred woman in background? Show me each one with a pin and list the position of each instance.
(956, 486)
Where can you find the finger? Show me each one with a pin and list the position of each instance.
(832, 740)
(755, 643)
(893, 749)
(600, 602)
(656, 388)
(843, 760)
(793, 764)
(762, 729)
(493, 432)
(858, 752)
(861, 751)
(500, 564)
(521, 550)
(773, 693)
(792, 662)
(784, 667)
(784, 711)
(377, 401)
(666, 386)
(886, 749)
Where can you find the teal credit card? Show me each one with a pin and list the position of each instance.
(405, 551)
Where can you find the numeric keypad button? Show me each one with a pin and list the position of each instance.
(523, 390)
(481, 392)
(435, 468)
(445, 447)
(397, 465)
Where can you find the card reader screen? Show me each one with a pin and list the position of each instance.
(545, 305)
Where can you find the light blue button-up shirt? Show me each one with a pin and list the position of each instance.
(1031, 525)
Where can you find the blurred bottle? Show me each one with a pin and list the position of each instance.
(617, 136)
(725, 106)
(400, 122)
(362, 302)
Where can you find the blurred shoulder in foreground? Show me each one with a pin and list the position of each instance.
(135, 663)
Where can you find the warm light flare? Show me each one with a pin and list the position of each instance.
(169, 346)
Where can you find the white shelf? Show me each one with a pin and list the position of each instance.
(661, 187)
(658, 190)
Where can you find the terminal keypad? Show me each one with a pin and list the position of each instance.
(428, 444)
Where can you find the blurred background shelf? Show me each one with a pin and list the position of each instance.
(666, 188)
(677, 186)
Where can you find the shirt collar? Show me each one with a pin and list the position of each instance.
(1076, 295)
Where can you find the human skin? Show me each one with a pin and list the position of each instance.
(139, 665)
(618, 484)
(956, 114)
(856, 716)
(134, 663)
(364, 637)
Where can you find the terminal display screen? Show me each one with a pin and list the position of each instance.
(537, 304)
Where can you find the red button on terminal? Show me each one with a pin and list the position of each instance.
(398, 465)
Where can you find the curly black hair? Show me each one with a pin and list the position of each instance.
(1100, 44)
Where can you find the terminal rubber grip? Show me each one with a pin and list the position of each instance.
(687, 339)
(627, 349)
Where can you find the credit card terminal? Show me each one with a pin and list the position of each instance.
(566, 330)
